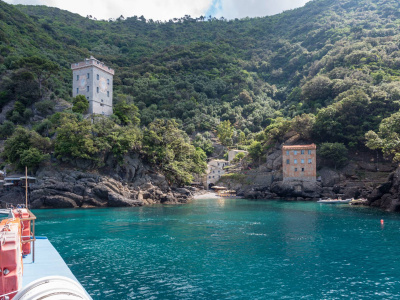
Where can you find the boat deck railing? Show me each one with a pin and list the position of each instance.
(31, 235)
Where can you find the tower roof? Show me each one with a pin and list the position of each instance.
(92, 62)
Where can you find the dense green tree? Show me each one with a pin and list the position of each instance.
(167, 146)
(80, 104)
(388, 137)
(127, 113)
(74, 139)
(32, 157)
(225, 132)
(6, 129)
(334, 153)
(42, 68)
(303, 125)
(201, 141)
(26, 148)
(256, 151)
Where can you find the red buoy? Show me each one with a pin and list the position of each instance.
(382, 222)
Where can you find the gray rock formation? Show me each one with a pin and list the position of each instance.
(130, 184)
(297, 189)
(387, 195)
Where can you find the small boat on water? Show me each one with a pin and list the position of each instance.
(227, 193)
(335, 201)
(361, 201)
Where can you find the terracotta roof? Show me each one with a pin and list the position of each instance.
(299, 147)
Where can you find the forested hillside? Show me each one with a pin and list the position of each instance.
(329, 71)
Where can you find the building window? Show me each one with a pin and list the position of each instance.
(287, 152)
(87, 97)
(102, 112)
(295, 169)
(108, 81)
(213, 176)
(295, 161)
(309, 160)
(88, 75)
(108, 94)
(218, 171)
(102, 100)
(77, 90)
(209, 177)
(98, 77)
(287, 161)
(101, 104)
(309, 151)
(87, 89)
(97, 89)
(77, 77)
(295, 152)
(302, 169)
(302, 151)
(302, 161)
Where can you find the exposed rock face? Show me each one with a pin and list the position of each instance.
(130, 184)
(387, 195)
(329, 177)
(70, 189)
(297, 189)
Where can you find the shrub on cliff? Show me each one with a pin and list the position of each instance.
(26, 148)
(81, 104)
(334, 153)
(388, 137)
(165, 145)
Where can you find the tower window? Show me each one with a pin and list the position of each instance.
(88, 75)
(97, 89)
(108, 81)
(108, 94)
(87, 89)
(98, 77)
(77, 90)
(102, 100)
(77, 77)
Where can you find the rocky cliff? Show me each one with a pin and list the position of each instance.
(387, 195)
(131, 183)
(356, 179)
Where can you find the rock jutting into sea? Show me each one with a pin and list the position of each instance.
(387, 195)
(131, 183)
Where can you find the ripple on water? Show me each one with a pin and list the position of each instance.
(239, 250)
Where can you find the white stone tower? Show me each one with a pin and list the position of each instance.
(94, 79)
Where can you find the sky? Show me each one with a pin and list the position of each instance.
(169, 9)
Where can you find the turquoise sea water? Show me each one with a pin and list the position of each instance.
(230, 249)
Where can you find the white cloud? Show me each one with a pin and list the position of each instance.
(231, 9)
(105, 9)
(168, 9)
